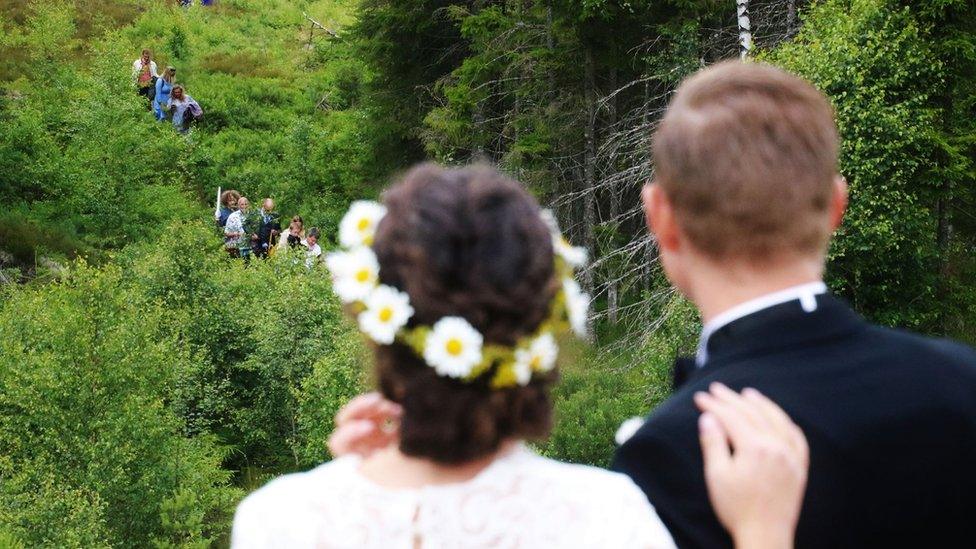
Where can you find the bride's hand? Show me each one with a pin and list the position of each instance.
(756, 488)
(366, 424)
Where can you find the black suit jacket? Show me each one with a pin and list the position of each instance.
(271, 223)
(890, 418)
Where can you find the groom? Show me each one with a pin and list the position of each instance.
(746, 195)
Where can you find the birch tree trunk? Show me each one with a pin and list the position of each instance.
(613, 290)
(791, 26)
(745, 28)
(589, 170)
(651, 250)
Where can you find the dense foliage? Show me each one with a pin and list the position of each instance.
(81, 156)
(94, 455)
(565, 94)
(906, 156)
(136, 394)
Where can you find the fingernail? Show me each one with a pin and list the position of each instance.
(750, 392)
(707, 423)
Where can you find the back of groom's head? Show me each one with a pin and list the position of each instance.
(747, 157)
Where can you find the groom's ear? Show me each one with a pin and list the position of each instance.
(659, 214)
(838, 202)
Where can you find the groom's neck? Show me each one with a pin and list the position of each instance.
(716, 288)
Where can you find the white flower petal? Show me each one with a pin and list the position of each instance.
(540, 355)
(453, 347)
(576, 256)
(387, 310)
(523, 372)
(550, 219)
(358, 226)
(577, 306)
(544, 352)
(628, 429)
(354, 273)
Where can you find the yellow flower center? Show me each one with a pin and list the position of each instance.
(363, 224)
(536, 363)
(386, 314)
(454, 347)
(363, 275)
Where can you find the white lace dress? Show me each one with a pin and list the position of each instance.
(521, 500)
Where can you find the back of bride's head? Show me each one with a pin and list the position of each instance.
(470, 243)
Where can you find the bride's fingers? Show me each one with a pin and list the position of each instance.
(777, 417)
(734, 399)
(348, 438)
(369, 406)
(359, 407)
(390, 410)
(732, 419)
(714, 445)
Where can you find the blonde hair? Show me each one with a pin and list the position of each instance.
(747, 155)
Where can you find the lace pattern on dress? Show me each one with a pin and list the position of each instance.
(519, 501)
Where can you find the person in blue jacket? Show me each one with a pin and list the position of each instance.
(164, 85)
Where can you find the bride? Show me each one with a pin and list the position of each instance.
(465, 287)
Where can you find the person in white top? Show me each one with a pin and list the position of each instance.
(144, 73)
(456, 282)
(235, 230)
(294, 235)
(313, 252)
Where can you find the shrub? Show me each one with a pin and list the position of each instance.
(602, 387)
(92, 453)
(257, 333)
(869, 57)
(335, 379)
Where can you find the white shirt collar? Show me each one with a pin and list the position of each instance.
(806, 293)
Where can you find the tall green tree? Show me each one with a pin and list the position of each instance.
(884, 69)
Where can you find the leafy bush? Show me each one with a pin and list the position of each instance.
(870, 58)
(82, 154)
(601, 387)
(258, 332)
(334, 380)
(93, 455)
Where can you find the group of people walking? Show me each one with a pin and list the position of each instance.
(167, 99)
(248, 232)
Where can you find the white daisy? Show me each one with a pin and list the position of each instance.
(577, 306)
(575, 256)
(354, 273)
(358, 226)
(550, 219)
(628, 429)
(453, 347)
(540, 356)
(387, 310)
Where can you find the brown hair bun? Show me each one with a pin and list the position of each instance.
(466, 242)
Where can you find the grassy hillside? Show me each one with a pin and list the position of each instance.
(83, 158)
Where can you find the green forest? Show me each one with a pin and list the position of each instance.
(148, 382)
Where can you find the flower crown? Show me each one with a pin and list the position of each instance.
(451, 346)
